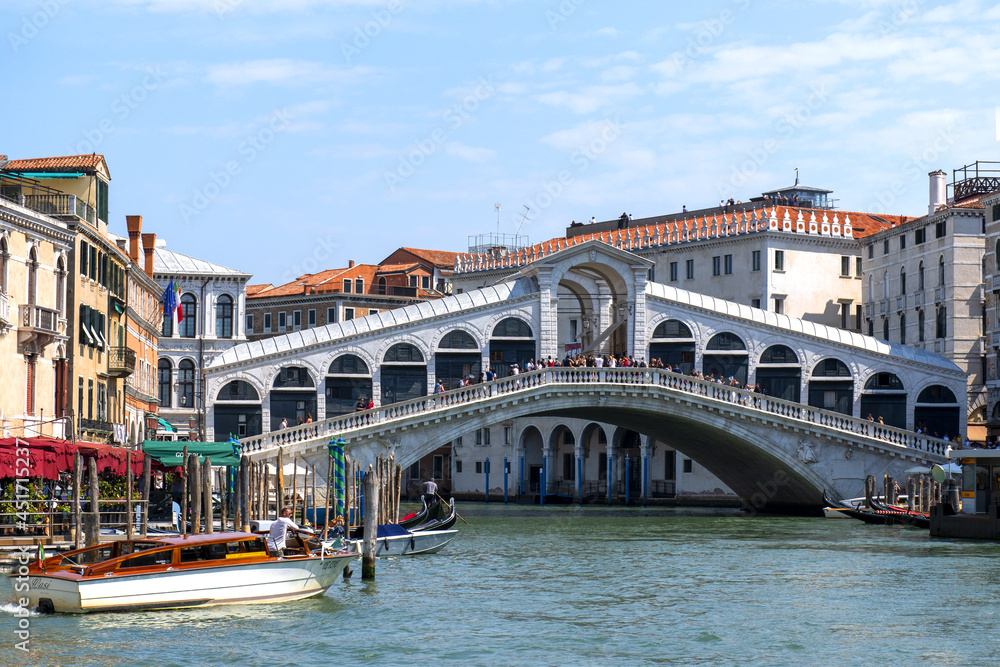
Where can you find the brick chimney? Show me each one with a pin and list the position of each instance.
(134, 223)
(350, 263)
(148, 245)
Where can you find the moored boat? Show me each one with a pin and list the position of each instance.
(181, 571)
(394, 540)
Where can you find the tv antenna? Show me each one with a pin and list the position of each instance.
(497, 207)
(523, 218)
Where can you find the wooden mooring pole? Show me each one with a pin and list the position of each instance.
(194, 487)
(147, 480)
(92, 522)
(371, 525)
(245, 493)
(129, 483)
(184, 492)
(206, 476)
(77, 482)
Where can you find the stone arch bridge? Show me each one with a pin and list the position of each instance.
(777, 455)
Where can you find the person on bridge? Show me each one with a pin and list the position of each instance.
(439, 387)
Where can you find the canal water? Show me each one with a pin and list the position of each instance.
(594, 586)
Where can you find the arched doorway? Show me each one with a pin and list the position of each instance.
(403, 374)
(293, 397)
(725, 356)
(884, 396)
(628, 463)
(237, 411)
(457, 357)
(673, 344)
(347, 380)
(779, 373)
(511, 342)
(937, 412)
(530, 466)
(831, 387)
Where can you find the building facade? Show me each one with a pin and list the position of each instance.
(35, 255)
(213, 301)
(923, 287)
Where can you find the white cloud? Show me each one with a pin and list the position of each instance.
(281, 71)
(591, 98)
(469, 153)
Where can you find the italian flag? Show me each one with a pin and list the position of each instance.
(179, 312)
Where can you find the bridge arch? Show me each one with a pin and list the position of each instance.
(292, 395)
(884, 397)
(348, 379)
(937, 410)
(403, 372)
(531, 445)
(831, 385)
(512, 341)
(674, 341)
(457, 355)
(726, 355)
(238, 408)
(778, 371)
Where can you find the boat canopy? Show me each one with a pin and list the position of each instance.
(171, 452)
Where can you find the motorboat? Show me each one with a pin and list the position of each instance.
(175, 572)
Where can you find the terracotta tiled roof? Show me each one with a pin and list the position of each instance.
(257, 289)
(62, 163)
(443, 258)
(971, 202)
(396, 268)
(330, 280)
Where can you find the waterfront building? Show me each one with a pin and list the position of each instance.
(212, 299)
(923, 287)
(74, 189)
(991, 307)
(35, 256)
(401, 355)
(407, 276)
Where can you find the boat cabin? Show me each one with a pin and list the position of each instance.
(979, 488)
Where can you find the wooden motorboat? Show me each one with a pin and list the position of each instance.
(172, 572)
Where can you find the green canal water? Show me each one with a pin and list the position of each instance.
(593, 586)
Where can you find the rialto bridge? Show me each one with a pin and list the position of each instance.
(807, 433)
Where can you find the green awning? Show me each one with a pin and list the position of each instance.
(50, 174)
(167, 425)
(171, 453)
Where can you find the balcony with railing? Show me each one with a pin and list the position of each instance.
(54, 204)
(121, 361)
(37, 328)
(900, 303)
(918, 299)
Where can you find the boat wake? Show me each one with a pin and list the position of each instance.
(11, 608)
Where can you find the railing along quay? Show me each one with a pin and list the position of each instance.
(386, 416)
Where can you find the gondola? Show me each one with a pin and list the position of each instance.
(417, 518)
(439, 524)
(887, 516)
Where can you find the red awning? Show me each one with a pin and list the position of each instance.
(47, 457)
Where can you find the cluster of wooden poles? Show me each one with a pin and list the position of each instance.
(89, 523)
(922, 491)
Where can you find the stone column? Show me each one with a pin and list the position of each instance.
(548, 323)
(646, 456)
(549, 459)
(580, 456)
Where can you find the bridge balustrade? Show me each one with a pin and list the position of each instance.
(558, 375)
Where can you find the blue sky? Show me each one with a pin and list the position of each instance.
(281, 137)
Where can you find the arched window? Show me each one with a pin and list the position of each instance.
(223, 317)
(672, 329)
(189, 325)
(902, 329)
(32, 275)
(238, 390)
(871, 287)
(831, 368)
(512, 327)
(381, 284)
(403, 353)
(885, 328)
(349, 364)
(726, 341)
(996, 255)
(941, 271)
(185, 382)
(920, 276)
(457, 339)
(941, 328)
(937, 394)
(293, 377)
(779, 354)
(921, 323)
(884, 398)
(885, 285)
(163, 378)
(831, 387)
(902, 280)
(884, 382)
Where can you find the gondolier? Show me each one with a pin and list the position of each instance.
(430, 490)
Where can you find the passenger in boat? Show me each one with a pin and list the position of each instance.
(279, 530)
(337, 530)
